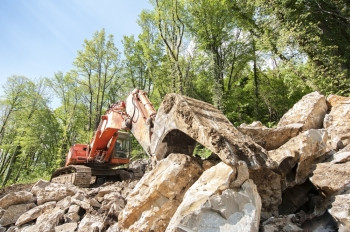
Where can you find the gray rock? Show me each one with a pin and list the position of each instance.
(211, 204)
(309, 111)
(90, 223)
(65, 203)
(49, 220)
(94, 203)
(113, 228)
(155, 198)
(185, 120)
(30, 228)
(340, 211)
(34, 213)
(294, 160)
(13, 229)
(82, 202)
(280, 224)
(342, 156)
(14, 212)
(2, 211)
(270, 138)
(332, 178)
(53, 192)
(41, 184)
(268, 184)
(106, 190)
(337, 122)
(72, 215)
(67, 227)
(15, 198)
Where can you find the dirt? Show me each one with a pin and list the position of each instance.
(15, 188)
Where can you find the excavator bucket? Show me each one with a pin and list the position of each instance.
(182, 121)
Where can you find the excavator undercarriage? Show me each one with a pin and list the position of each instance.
(84, 176)
(78, 175)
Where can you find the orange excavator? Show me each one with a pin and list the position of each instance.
(110, 146)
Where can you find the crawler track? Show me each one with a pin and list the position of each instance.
(84, 176)
(78, 175)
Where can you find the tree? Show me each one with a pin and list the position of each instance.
(71, 115)
(30, 133)
(213, 27)
(320, 29)
(135, 63)
(97, 66)
(171, 29)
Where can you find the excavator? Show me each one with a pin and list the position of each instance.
(110, 146)
(179, 124)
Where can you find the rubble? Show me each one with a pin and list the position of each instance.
(332, 178)
(13, 212)
(213, 202)
(270, 138)
(155, 198)
(337, 121)
(309, 111)
(340, 210)
(294, 177)
(296, 157)
(15, 198)
(34, 213)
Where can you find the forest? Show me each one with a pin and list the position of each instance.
(252, 59)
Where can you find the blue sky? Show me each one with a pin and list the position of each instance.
(41, 37)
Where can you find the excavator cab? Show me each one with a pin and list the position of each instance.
(122, 146)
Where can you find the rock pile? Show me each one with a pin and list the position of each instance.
(56, 207)
(302, 184)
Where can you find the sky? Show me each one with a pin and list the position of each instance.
(41, 37)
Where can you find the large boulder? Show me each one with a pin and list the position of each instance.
(186, 121)
(340, 211)
(309, 111)
(342, 156)
(222, 199)
(80, 200)
(48, 220)
(91, 223)
(73, 214)
(155, 198)
(268, 184)
(294, 160)
(13, 212)
(332, 178)
(15, 198)
(35, 212)
(46, 191)
(281, 224)
(270, 138)
(68, 227)
(337, 122)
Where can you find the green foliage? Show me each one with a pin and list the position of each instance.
(201, 151)
(29, 134)
(97, 70)
(320, 29)
(252, 59)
